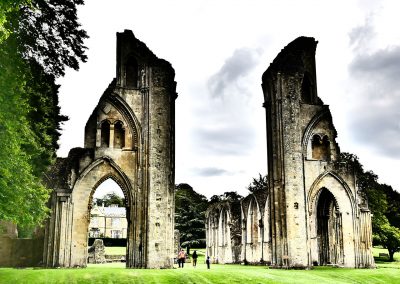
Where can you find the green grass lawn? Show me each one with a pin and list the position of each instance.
(116, 273)
(115, 250)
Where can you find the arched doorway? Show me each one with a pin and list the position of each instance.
(95, 174)
(108, 223)
(329, 229)
(128, 140)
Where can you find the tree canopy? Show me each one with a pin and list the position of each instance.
(260, 183)
(190, 208)
(228, 195)
(384, 203)
(110, 199)
(38, 40)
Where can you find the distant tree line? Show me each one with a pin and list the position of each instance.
(109, 199)
(383, 201)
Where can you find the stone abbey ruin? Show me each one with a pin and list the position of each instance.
(312, 212)
(129, 138)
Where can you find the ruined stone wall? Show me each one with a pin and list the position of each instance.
(21, 252)
(223, 232)
(237, 232)
(129, 138)
(161, 158)
(302, 154)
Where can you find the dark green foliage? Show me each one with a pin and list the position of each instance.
(48, 32)
(383, 202)
(109, 199)
(44, 113)
(21, 193)
(258, 184)
(228, 195)
(190, 210)
(38, 39)
(389, 237)
(393, 206)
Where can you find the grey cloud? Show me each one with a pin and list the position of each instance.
(376, 119)
(210, 171)
(383, 65)
(379, 128)
(361, 35)
(238, 65)
(225, 140)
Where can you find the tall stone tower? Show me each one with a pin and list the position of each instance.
(317, 214)
(129, 138)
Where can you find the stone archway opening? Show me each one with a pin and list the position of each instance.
(108, 224)
(329, 229)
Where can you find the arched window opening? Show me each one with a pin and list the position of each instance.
(119, 135)
(255, 226)
(131, 73)
(320, 148)
(252, 224)
(267, 237)
(221, 229)
(307, 90)
(108, 220)
(226, 233)
(105, 134)
(329, 230)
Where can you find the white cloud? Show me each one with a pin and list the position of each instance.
(215, 48)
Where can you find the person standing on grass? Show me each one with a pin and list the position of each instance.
(208, 262)
(181, 258)
(194, 257)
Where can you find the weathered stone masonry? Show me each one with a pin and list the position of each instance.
(313, 212)
(129, 138)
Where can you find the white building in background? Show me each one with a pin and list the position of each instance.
(108, 222)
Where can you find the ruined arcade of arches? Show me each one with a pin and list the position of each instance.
(129, 138)
(312, 212)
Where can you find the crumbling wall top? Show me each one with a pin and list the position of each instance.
(295, 57)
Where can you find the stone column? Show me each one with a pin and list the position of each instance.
(57, 251)
(111, 140)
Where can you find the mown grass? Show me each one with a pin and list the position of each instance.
(116, 273)
(115, 250)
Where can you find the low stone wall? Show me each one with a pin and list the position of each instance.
(20, 252)
(115, 258)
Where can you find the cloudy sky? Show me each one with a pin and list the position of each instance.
(219, 50)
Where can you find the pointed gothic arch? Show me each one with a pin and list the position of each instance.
(315, 190)
(119, 135)
(329, 229)
(323, 114)
(129, 116)
(82, 194)
(105, 133)
(332, 220)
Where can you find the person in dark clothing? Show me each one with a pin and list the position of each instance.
(194, 257)
(208, 262)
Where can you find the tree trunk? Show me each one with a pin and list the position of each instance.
(391, 253)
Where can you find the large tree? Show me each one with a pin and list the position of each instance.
(38, 40)
(384, 203)
(190, 208)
